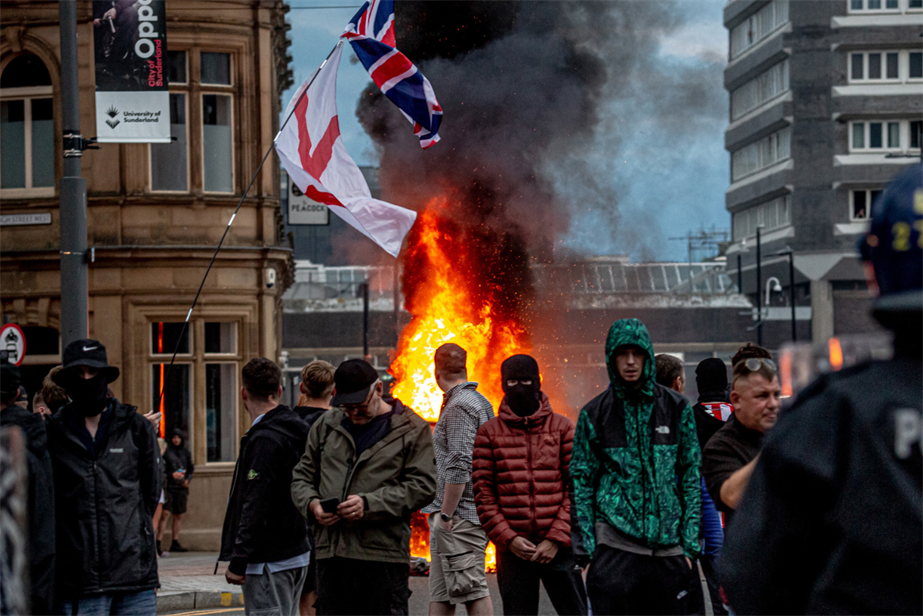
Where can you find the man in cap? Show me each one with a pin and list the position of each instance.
(369, 463)
(40, 500)
(108, 478)
(637, 488)
(264, 535)
(832, 521)
(453, 522)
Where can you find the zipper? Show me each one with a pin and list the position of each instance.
(98, 534)
(531, 478)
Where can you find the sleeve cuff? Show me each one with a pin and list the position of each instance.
(457, 476)
(365, 502)
(238, 566)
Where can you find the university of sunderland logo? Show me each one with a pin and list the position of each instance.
(112, 112)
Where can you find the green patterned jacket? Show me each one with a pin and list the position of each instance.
(636, 458)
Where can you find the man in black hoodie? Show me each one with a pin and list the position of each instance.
(832, 519)
(178, 469)
(265, 537)
(107, 480)
(40, 502)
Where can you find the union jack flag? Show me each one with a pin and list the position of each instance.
(371, 34)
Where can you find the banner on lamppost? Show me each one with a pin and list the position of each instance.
(132, 84)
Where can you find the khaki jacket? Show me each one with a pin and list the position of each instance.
(396, 476)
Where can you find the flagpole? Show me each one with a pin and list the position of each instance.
(179, 339)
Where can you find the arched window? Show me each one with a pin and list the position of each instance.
(26, 128)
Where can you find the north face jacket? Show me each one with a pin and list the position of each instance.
(636, 457)
(40, 506)
(396, 476)
(104, 506)
(520, 473)
(832, 520)
(261, 524)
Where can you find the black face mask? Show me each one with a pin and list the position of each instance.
(523, 400)
(89, 395)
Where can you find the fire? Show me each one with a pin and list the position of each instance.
(450, 302)
(459, 286)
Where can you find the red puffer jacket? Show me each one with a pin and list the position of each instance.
(520, 474)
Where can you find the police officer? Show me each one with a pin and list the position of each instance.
(832, 521)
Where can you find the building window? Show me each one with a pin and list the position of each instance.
(764, 153)
(884, 135)
(212, 364)
(170, 161)
(217, 143)
(860, 203)
(890, 6)
(770, 215)
(760, 90)
(26, 129)
(758, 27)
(894, 66)
(177, 74)
(214, 91)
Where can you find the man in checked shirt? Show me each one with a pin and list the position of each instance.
(457, 541)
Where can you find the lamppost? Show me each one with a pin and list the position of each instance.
(791, 287)
(759, 286)
(772, 288)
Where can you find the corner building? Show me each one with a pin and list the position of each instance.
(155, 213)
(826, 107)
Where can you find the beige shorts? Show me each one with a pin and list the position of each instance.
(456, 573)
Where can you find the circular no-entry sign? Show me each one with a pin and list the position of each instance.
(13, 341)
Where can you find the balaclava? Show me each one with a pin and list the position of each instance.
(522, 399)
(89, 395)
(711, 376)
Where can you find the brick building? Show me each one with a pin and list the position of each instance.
(155, 213)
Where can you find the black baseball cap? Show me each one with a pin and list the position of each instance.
(89, 353)
(353, 379)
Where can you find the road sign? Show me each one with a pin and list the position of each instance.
(303, 210)
(13, 341)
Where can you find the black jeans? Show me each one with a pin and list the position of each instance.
(620, 582)
(518, 580)
(348, 587)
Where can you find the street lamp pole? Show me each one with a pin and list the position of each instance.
(759, 287)
(791, 292)
(73, 189)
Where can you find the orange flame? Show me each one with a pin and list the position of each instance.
(449, 302)
(450, 305)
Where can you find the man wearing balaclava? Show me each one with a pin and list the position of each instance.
(521, 475)
(108, 477)
(636, 485)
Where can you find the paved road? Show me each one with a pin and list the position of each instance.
(419, 601)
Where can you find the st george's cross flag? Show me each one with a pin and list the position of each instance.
(313, 153)
(371, 34)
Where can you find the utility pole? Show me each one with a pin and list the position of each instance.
(73, 188)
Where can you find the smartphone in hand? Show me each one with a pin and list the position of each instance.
(329, 505)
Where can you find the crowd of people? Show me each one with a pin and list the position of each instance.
(623, 513)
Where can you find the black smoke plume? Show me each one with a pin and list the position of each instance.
(530, 133)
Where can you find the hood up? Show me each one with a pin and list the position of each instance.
(630, 332)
